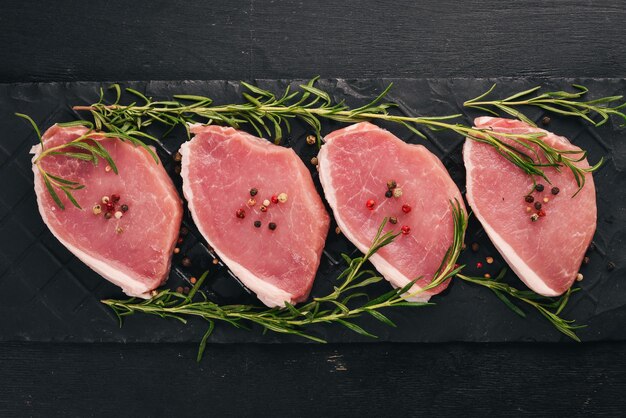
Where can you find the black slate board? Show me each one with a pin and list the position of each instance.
(48, 295)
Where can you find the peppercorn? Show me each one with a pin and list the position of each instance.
(546, 120)
(314, 161)
(176, 250)
(186, 261)
(193, 280)
(257, 224)
(393, 220)
(215, 261)
(124, 208)
(110, 207)
(586, 260)
(579, 277)
(119, 230)
(391, 184)
(184, 231)
(489, 260)
(177, 169)
(282, 198)
(487, 276)
(397, 192)
(118, 214)
(271, 226)
(263, 208)
(179, 240)
(388, 194)
(546, 200)
(541, 213)
(251, 202)
(107, 168)
(253, 192)
(537, 205)
(266, 202)
(479, 265)
(539, 187)
(406, 208)
(555, 190)
(179, 289)
(240, 213)
(405, 230)
(529, 199)
(108, 215)
(97, 210)
(610, 266)
(274, 199)
(534, 217)
(475, 246)
(178, 156)
(105, 199)
(115, 198)
(370, 204)
(337, 230)
(310, 139)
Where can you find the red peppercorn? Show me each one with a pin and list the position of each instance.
(110, 207)
(274, 199)
(541, 213)
(370, 204)
(180, 240)
(479, 265)
(405, 230)
(115, 198)
(406, 208)
(240, 213)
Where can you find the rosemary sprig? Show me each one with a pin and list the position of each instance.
(269, 114)
(342, 306)
(561, 102)
(86, 147)
(550, 308)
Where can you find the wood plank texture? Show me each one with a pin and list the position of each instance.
(175, 39)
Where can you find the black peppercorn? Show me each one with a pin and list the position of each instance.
(391, 184)
(108, 215)
(388, 193)
(253, 192)
(539, 187)
(124, 208)
(257, 224)
(184, 231)
(393, 220)
(186, 262)
(610, 266)
(272, 226)
(537, 205)
(545, 120)
(475, 246)
(529, 199)
(555, 190)
(586, 260)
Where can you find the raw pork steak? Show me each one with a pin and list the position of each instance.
(547, 253)
(356, 163)
(134, 251)
(274, 248)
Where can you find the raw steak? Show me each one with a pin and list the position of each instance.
(356, 163)
(134, 251)
(220, 167)
(547, 253)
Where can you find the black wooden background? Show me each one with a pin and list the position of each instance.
(122, 40)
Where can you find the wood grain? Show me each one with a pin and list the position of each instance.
(122, 40)
(115, 40)
(309, 380)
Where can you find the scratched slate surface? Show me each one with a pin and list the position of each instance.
(46, 294)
